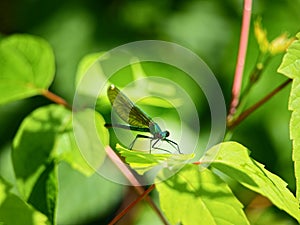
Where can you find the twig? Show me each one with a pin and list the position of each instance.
(250, 110)
(132, 204)
(55, 98)
(131, 178)
(237, 83)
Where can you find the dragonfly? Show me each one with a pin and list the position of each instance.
(137, 120)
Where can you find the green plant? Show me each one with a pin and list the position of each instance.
(45, 139)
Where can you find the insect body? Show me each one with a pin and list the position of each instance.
(137, 120)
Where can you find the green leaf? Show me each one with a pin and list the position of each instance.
(71, 154)
(26, 67)
(44, 194)
(290, 63)
(44, 138)
(67, 146)
(290, 67)
(91, 136)
(233, 159)
(45, 135)
(34, 146)
(14, 210)
(34, 154)
(142, 162)
(85, 64)
(4, 189)
(294, 105)
(198, 197)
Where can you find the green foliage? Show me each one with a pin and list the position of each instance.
(14, 210)
(198, 197)
(290, 68)
(27, 67)
(85, 64)
(47, 137)
(91, 138)
(37, 139)
(177, 194)
(143, 161)
(233, 159)
(34, 156)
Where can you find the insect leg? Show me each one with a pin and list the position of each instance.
(153, 146)
(174, 145)
(136, 137)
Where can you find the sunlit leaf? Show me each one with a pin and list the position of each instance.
(72, 155)
(85, 64)
(233, 159)
(44, 193)
(44, 138)
(143, 161)
(290, 63)
(34, 156)
(34, 145)
(26, 67)
(194, 196)
(91, 137)
(14, 210)
(290, 67)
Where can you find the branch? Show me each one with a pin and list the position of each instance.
(250, 110)
(141, 197)
(135, 183)
(55, 98)
(237, 83)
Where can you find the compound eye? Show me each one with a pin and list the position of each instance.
(167, 133)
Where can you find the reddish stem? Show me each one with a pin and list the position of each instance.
(131, 178)
(55, 98)
(237, 83)
(250, 110)
(132, 204)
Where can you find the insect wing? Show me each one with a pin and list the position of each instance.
(126, 110)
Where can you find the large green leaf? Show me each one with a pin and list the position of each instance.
(198, 197)
(91, 136)
(233, 159)
(85, 64)
(26, 67)
(143, 161)
(44, 193)
(290, 67)
(72, 154)
(290, 63)
(14, 210)
(34, 155)
(45, 137)
(34, 145)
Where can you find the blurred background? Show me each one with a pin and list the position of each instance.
(209, 28)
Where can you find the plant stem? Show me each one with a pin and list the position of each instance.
(254, 77)
(256, 74)
(237, 83)
(55, 98)
(250, 110)
(135, 183)
(132, 204)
